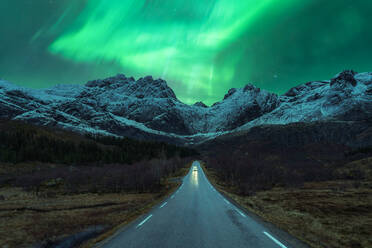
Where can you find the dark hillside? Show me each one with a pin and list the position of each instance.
(21, 142)
(287, 155)
(313, 180)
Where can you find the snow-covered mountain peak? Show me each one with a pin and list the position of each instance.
(344, 79)
(5, 85)
(229, 93)
(148, 108)
(250, 87)
(346, 97)
(250, 95)
(158, 88)
(111, 82)
(364, 78)
(200, 104)
(145, 87)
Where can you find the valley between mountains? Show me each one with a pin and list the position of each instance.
(148, 109)
(123, 161)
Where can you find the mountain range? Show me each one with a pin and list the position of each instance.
(149, 109)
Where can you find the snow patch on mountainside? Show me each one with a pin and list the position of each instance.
(316, 101)
(148, 108)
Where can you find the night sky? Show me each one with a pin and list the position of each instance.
(201, 47)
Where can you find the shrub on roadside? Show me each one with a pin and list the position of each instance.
(145, 176)
(248, 174)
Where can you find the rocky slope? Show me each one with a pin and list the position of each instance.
(149, 109)
(347, 97)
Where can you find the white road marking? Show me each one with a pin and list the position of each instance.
(165, 203)
(226, 201)
(172, 196)
(240, 213)
(143, 222)
(275, 240)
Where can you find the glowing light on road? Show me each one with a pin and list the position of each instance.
(195, 178)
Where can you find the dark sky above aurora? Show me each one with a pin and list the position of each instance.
(202, 48)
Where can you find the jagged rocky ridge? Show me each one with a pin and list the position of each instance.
(149, 109)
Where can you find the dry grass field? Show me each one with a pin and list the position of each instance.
(27, 219)
(40, 218)
(330, 214)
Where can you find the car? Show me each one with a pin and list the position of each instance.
(195, 169)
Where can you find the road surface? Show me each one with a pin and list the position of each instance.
(197, 215)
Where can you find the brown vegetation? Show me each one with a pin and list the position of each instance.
(312, 179)
(140, 177)
(332, 214)
(54, 183)
(29, 216)
(28, 219)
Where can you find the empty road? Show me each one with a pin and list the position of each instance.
(197, 215)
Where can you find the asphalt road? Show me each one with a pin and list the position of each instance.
(197, 215)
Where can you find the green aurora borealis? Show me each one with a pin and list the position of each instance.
(202, 48)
